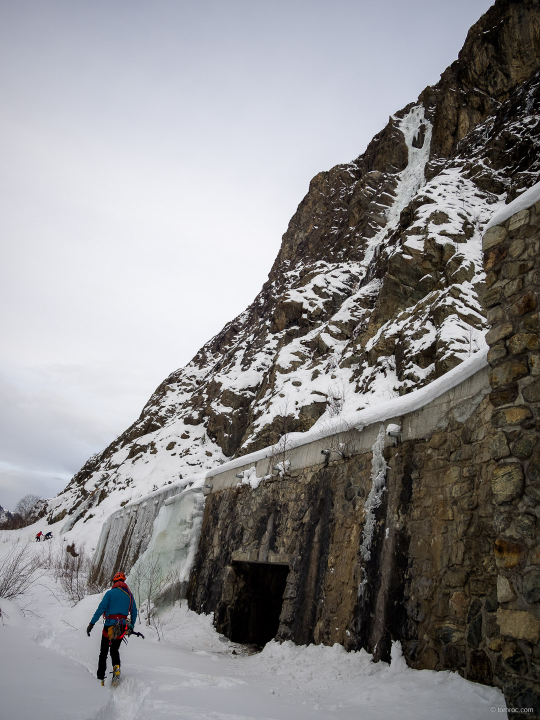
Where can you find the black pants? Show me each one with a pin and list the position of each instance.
(104, 651)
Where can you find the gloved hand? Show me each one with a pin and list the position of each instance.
(89, 629)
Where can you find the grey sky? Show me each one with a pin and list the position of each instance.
(151, 155)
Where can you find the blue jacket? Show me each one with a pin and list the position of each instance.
(116, 601)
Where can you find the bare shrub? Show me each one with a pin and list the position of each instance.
(336, 400)
(335, 433)
(279, 457)
(19, 570)
(75, 572)
(147, 582)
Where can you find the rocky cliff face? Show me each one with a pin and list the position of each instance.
(376, 288)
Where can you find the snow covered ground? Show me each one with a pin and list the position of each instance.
(48, 664)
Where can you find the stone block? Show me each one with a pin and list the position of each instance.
(522, 342)
(531, 587)
(453, 657)
(437, 440)
(494, 236)
(512, 270)
(499, 446)
(505, 591)
(519, 624)
(523, 446)
(495, 353)
(524, 526)
(474, 632)
(531, 393)
(479, 587)
(512, 287)
(526, 304)
(507, 372)
(449, 633)
(463, 453)
(456, 577)
(533, 360)
(535, 555)
(459, 603)
(452, 475)
(479, 668)
(507, 483)
(516, 248)
(533, 471)
(511, 416)
(495, 315)
(533, 491)
(491, 603)
(499, 332)
(492, 297)
(494, 256)
(532, 323)
(509, 554)
(516, 221)
(496, 644)
(506, 396)
(514, 658)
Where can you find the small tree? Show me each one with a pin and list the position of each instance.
(19, 570)
(25, 508)
(147, 581)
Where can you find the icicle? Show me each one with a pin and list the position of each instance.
(374, 499)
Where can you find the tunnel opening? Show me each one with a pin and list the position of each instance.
(254, 617)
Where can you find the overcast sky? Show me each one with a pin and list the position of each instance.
(151, 156)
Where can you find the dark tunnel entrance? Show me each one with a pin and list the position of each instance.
(257, 606)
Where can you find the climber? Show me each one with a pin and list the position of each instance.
(38, 536)
(116, 605)
(48, 536)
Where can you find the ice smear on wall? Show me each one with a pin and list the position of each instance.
(374, 499)
(126, 533)
(173, 544)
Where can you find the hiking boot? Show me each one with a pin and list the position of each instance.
(116, 675)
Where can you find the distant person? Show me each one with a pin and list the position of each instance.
(116, 605)
(38, 536)
(48, 536)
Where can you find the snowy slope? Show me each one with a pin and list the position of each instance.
(376, 290)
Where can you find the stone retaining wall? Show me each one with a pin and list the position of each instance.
(512, 262)
(426, 580)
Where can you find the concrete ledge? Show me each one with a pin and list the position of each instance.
(253, 557)
(458, 402)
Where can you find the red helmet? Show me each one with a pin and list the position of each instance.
(119, 577)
